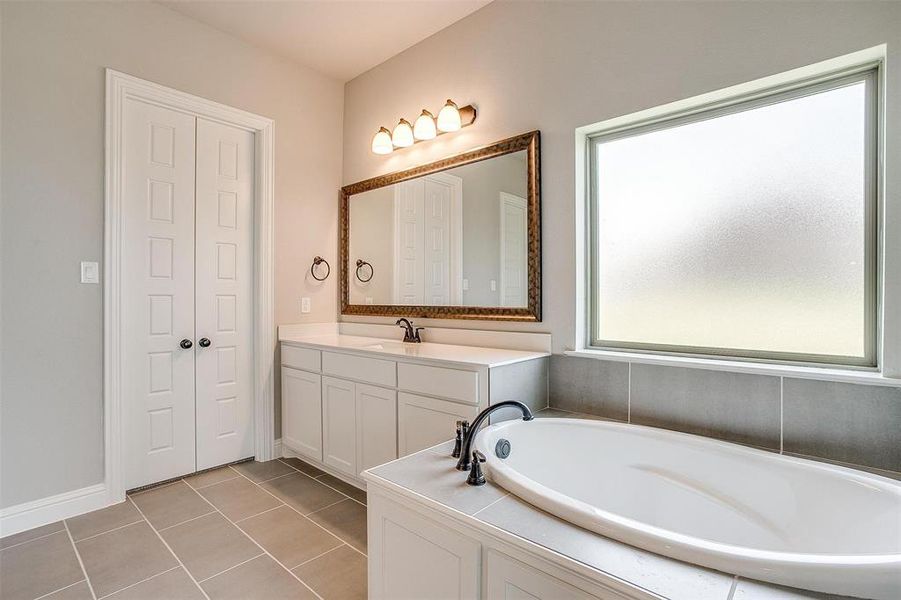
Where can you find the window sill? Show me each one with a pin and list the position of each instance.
(736, 366)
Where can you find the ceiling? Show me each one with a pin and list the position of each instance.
(339, 38)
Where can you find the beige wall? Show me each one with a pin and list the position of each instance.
(555, 66)
(52, 89)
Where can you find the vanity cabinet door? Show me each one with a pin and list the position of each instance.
(424, 422)
(376, 426)
(339, 425)
(412, 557)
(302, 412)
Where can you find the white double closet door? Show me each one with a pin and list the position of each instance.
(187, 310)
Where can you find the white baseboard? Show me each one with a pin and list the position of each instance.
(277, 449)
(29, 515)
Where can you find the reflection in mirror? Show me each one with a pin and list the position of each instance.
(457, 237)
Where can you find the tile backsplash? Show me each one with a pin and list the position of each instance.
(848, 423)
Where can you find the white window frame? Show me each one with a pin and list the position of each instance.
(887, 345)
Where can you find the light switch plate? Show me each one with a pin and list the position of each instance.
(90, 272)
(305, 304)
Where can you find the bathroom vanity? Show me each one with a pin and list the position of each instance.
(351, 402)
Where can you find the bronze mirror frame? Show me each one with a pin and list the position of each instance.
(532, 312)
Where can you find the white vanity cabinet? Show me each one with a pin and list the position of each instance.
(359, 425)
(347, 410)
(423, 422)
(302, 412)
(339, 425)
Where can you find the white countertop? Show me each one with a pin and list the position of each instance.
(429, 351)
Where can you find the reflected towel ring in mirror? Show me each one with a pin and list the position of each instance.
(316, 262)
(362, 263)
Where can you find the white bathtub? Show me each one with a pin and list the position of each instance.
(724, 506)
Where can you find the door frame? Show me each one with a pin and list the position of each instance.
(119, 88)
(507, 198)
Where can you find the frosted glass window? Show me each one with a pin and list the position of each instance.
(743, 232)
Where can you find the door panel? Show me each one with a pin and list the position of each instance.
(408, 225)
(339, 425)
(158, 294)
(302, 412)
(437, 233)
(376, 426)
(224, 303)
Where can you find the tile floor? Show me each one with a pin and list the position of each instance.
(280, 529)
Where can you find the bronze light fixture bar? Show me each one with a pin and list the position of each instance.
(450, 118)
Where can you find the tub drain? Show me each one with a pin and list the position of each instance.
(502, 448)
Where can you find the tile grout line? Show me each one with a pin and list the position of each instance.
(203, 487)
(274, 478)
(318, 556)
(313, 512)
(781, 415)
(80, 562)
(260, 513)
(732, 588)
(168, 527)
(311, 520)
(629, 396)
(91, 537)
(171, 551)
(316, 478)
(490, 505)
(243, 562)
(62, 529)
(139, 582)
(62, 588)
(257, 544)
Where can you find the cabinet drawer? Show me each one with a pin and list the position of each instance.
(370, 370)
(438, 381)
(300, 358)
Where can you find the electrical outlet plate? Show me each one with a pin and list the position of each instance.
(90, 272)
(305, 304)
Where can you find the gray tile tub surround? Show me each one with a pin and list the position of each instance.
(854, 424)
(738, 407)
(845, 422)
(587, 385)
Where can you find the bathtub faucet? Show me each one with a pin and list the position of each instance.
(466, 451)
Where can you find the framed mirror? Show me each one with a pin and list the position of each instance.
(459, 238)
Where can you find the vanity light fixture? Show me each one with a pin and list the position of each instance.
(424, 128)
(403, 134)
(427, 127)
(449, 118)
(381, 143)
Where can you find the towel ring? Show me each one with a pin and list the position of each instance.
(316, 262)
(362, 263)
